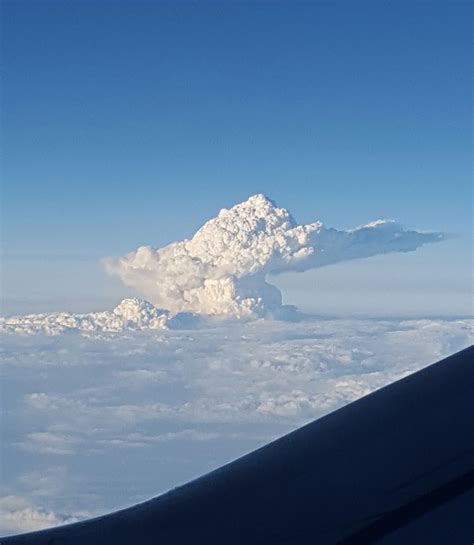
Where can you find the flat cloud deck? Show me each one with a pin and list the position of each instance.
(395, 467)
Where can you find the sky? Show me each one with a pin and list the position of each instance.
(131, 123)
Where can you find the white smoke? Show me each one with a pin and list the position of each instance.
(222, 269)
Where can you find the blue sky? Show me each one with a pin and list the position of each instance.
(129, 123)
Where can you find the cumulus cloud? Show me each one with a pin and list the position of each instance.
(130, 314)
(17, 515)
(30, 508)
(223, 268)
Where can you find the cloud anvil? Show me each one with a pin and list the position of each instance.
(223, 268)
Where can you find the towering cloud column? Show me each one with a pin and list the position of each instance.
(222, 269)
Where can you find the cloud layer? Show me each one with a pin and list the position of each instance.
(222, 269)
(129, 314)
(141, 388)
(18, 516)
(103, 420)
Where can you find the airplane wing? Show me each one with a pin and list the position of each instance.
(394, 468)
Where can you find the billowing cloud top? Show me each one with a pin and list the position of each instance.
(222, 269)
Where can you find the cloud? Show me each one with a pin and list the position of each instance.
(143, 376)
(17, 515)
(29, 508)
(131, 414)
(47, 442)
(136, 400)
(232, 373)
(49, 482)
(131, 314)
(139, 440)
(223, 268)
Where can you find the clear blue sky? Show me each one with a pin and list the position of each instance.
(129, 123)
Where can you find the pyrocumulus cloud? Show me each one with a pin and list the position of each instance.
(223, 268)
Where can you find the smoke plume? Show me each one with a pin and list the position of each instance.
(223, 268)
